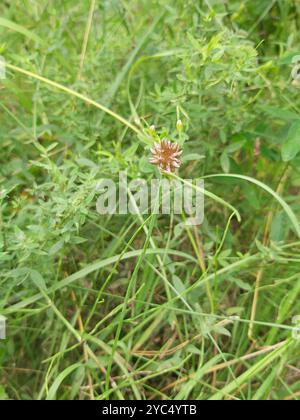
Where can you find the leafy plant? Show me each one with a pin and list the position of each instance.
(141, 306)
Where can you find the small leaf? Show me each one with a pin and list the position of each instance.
(193, 349)
(242, 284)
(145, 166)
(38, 280)
(78, 240)
(179, 286)
(291, 146)
(225, 163)
(192, 156)
(56, 247)
(234, 147)
(194, 42)
(86, 162)
(222, 331)
(131, 151)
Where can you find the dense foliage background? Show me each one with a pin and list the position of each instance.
(92, 301)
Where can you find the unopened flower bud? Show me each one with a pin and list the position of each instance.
(179, 126)
(152, 129)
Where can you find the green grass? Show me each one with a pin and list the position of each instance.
(140, 306)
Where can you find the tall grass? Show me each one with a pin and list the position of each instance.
(136, 306)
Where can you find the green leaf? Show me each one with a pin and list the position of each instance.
(131, 151)
(192, 156)
(222, 331)
(60, 378)
(56, 247)
(145, 167)
(280, 113)
(291, 146)
(38, 280)
(179, 286)
(234, 147)
(241, 284)
(18, 28)
(225, 162)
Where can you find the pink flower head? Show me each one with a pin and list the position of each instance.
(165, 155)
